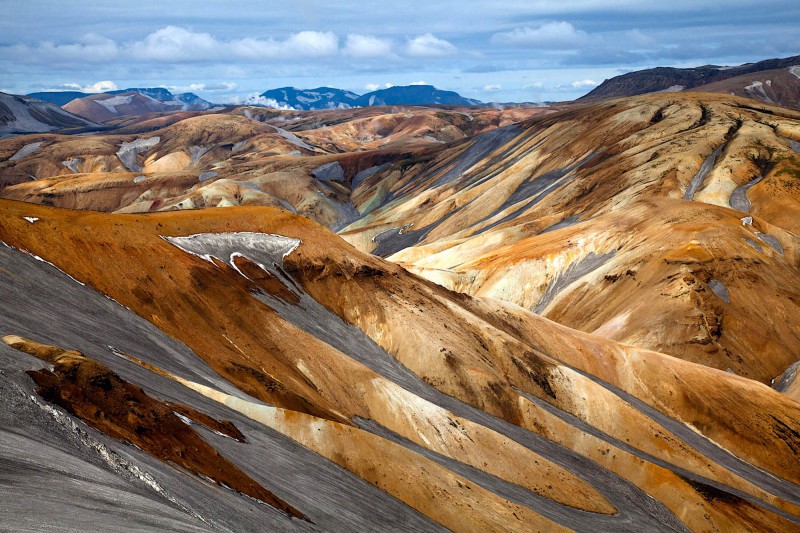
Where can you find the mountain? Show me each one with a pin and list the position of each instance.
(413, 95)
(580, 317)
(777, 86)
(341, 378)
(106, 106)
(22, 114)
(193, 102)
(59, 98)
(677, 79)
(330, 98)
(188, 101)
(156, 93)
(308, 99)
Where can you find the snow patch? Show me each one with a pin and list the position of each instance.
(31, 219)
(260, 248)
(72, 164)
(112, 103)
(128, 150)
(332, 171)
(26, 150)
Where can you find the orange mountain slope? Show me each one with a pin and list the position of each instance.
(509, 419)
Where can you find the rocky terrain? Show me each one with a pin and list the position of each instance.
(580, 317)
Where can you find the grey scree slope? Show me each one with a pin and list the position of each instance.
(51, 479)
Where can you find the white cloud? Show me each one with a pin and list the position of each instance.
(363, 46)
(372, 87)
(421, 82)
(173, 44)
(492, 87)
(552, 35)
(177, 44)
(208, 87)
(256, 99)
(428, 45)
(582, 84)
(98, 87)
(91, 48)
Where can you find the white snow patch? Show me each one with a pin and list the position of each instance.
(260, 248)
(128, 150)
(184, 419)
(673, 89)
(795, 70)
(112, 103)
(31, 219)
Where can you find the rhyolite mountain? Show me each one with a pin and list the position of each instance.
(185, 101)
(564, 318)
(678, 79)
(22, 114)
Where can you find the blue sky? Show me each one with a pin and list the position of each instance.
(494, 51)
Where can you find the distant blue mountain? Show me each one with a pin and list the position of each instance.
(58, 97)
(194, 102)
(330, 98)
(156, 93)
(413, 95)
(307, 99)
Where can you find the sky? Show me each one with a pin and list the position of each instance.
(500, 51)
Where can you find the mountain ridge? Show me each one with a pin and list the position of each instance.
(672, 78)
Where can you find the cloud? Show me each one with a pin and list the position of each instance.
(174, 44)
(372, 87)
(98, 87)
(258, 100)
(428, 45)
(225, 86)
(364, 46)
(421, 82)
(582, 84)
(217, 87)
(534, 85)
(492, 87)
(91, 48)
(552, 35)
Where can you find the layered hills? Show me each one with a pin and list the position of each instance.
(579, 317)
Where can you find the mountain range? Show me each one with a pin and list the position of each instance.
(572, 317)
